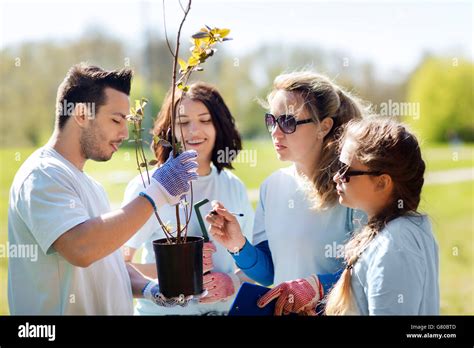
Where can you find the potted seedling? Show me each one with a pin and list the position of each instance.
(178, 256)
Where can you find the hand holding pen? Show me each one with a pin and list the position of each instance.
(225, 228)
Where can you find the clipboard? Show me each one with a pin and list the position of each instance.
(245, 303)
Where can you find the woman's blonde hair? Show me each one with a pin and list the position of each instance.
(386, 146)
(321, 98)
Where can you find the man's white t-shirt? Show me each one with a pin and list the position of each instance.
(302, 241)
(48, 197)
(224, 187)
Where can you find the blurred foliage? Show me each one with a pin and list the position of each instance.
(32, 71)
(31, 74)
(203, 42)
(444, 90)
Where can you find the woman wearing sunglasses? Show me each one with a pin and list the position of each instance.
(208, 128)
(299, 228)
(392, 263)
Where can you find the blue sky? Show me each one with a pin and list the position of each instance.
(391, 34)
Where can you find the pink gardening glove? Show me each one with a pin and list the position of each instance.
(297, 296)
(220, 286)
(207, 250)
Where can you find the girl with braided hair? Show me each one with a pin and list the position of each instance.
(392, 263)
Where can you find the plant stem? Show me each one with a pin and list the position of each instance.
(163, 227)
(144, 159)
(173, 110)
(138, 161)
(173, 88)
(178, 223)
(188, 217)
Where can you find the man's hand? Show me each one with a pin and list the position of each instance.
(219, 286)
(297, 296)
(170, 182)
(152, 292)
(225, 228)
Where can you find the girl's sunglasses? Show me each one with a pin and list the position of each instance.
(345, 174)
(287, 123)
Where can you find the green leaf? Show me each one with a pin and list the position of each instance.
(197, 53)
(182, 64)
(193, 61)
(197, 43)
(223, 32)
(153, 163)
(142, 164)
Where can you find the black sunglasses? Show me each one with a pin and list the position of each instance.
(345, 174)
(287, 123)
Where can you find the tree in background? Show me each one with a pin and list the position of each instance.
(30, 75)
(31, 72)
(444, 90)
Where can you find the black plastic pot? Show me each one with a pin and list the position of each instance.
(179, 266)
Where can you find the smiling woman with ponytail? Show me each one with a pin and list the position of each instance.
(392, 263)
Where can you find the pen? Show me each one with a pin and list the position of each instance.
(213, 212)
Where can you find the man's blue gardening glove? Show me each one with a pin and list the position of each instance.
(152, 292)
(170, 182)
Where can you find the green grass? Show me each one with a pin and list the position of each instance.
(449, 206)
(253, 174)
(443, 157)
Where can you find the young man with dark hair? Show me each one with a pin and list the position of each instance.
(57, 207)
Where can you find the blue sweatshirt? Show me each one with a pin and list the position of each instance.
(256, 262)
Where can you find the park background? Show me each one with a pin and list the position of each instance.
(394, 54)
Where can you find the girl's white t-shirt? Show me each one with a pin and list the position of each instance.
(224, 187)
(48, 197)
(397, 274)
